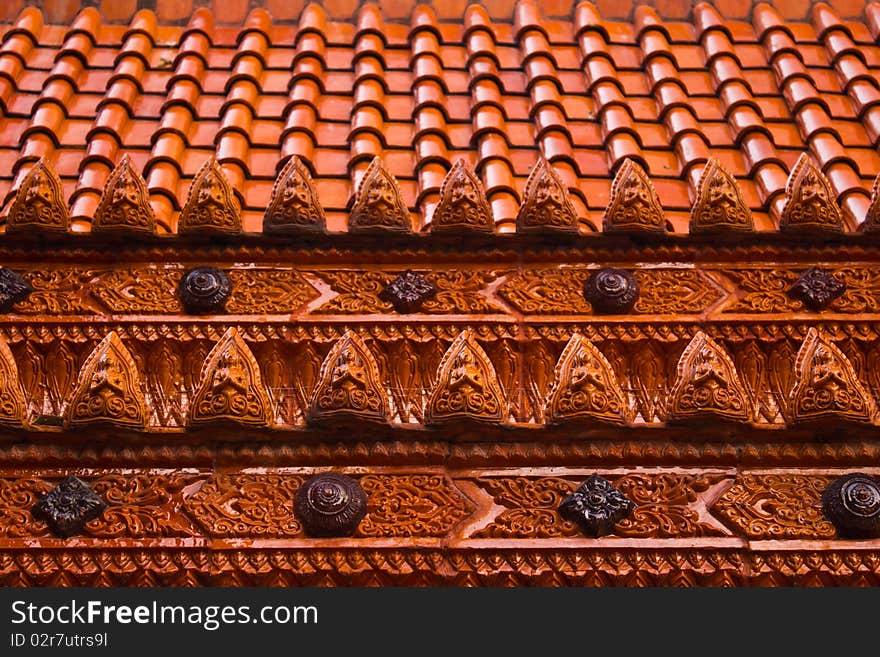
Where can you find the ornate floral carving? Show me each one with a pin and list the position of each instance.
(825, 384)
(408, 292)
(852, 503)
(230, 386)
(148, 290)
(57, 292)
(816, 288)
(293, 205)
(707, 382)
(633, 204)
(810, 200)
(585, 386)
(546, 205)
(210, 205)
(205, 290)
(13, 407)
(268, 291)
(775, 506)
(349, 384)
(13, 289)
(611, 291)
(596, 506)
(330, 504)
(125, 203)
(108, 388)
(463, 205)
(379, 205)
(68, 507)
(39, 204)
(466, 386)
(719, 205)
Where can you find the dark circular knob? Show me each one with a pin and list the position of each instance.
(852, 504)
(204, 289)
(330, 505)
(611, 291)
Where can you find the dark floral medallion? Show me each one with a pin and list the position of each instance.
(205, 290)
(13, 288)
(408, 292)
(596, 506)
(852, 504)
(68, 507)
(330, 505)
(816, 288)
(611, 291)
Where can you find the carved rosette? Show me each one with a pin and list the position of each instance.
(293, 205)
(596, 506)
(826, 385)
(719, 205)
(463, 206)
(330, 505)
(408, 292)
(810, 200)
(633, 205)
(546, 205)
(816, 288)
(707, 383)
(852, 504)
(13, 289)
(125, 203)
(585, 386)
(39, 204)
(13, 407)
(349, 384)
(68, 507)
(108, 388)
(611, 291)
(379, 205)
(210, 205)
(205, 290)
(466, 387)
(230, 387)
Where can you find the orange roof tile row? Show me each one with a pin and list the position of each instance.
(499, 92)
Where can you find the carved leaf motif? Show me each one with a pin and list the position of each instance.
(230, 387)
(781, 372)
(719, 205)
(267, 291)
(60, 372)
(349, 384)
(379, 205)
(17, 497)
(13, 407)
(667, 291)
(411, 505)
(707, 382)
(752, 366)
(633, 204)
(460, 291)
(293, 205)
(649, 377)
(546, 204)
(108, 388)
(57, 292)
(150, 290)
(811, 203)
(584, 386)
(463, 205)
(466, 386)
(825, 384)
(39, 204)
(210, 205)
(165, 383)
(125, 203)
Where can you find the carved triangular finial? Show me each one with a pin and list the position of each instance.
(108, 388)
(210, 205)
(349, 384)
(463, 205)
(633, 205)
(707, 382)
(585, 386)
(39, 202)
(546, 205)
(379, 205)
(826, 384)
(125, 203)
(230, 387)
(719, 205)
(810, 200)
(13, 407)
(467, 386)
(871, 224)
(293, 206)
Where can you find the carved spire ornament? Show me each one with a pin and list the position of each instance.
(463, 205)
(611, 291)
(13, 407)
(546, 205)
(466, 387)
(810, 200)
(707, 383)
(39, 204)
(585, 386)
(871, 223)
(330, 504)
(108, 388)
(596, 506)
(852, 504)
(719, 205)
(293, 205)
(826, 385)
(633, 205)
(349, 384)
(379, 205)
(210, 205)
(230, 386)
(125, 203)
(69, 507)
